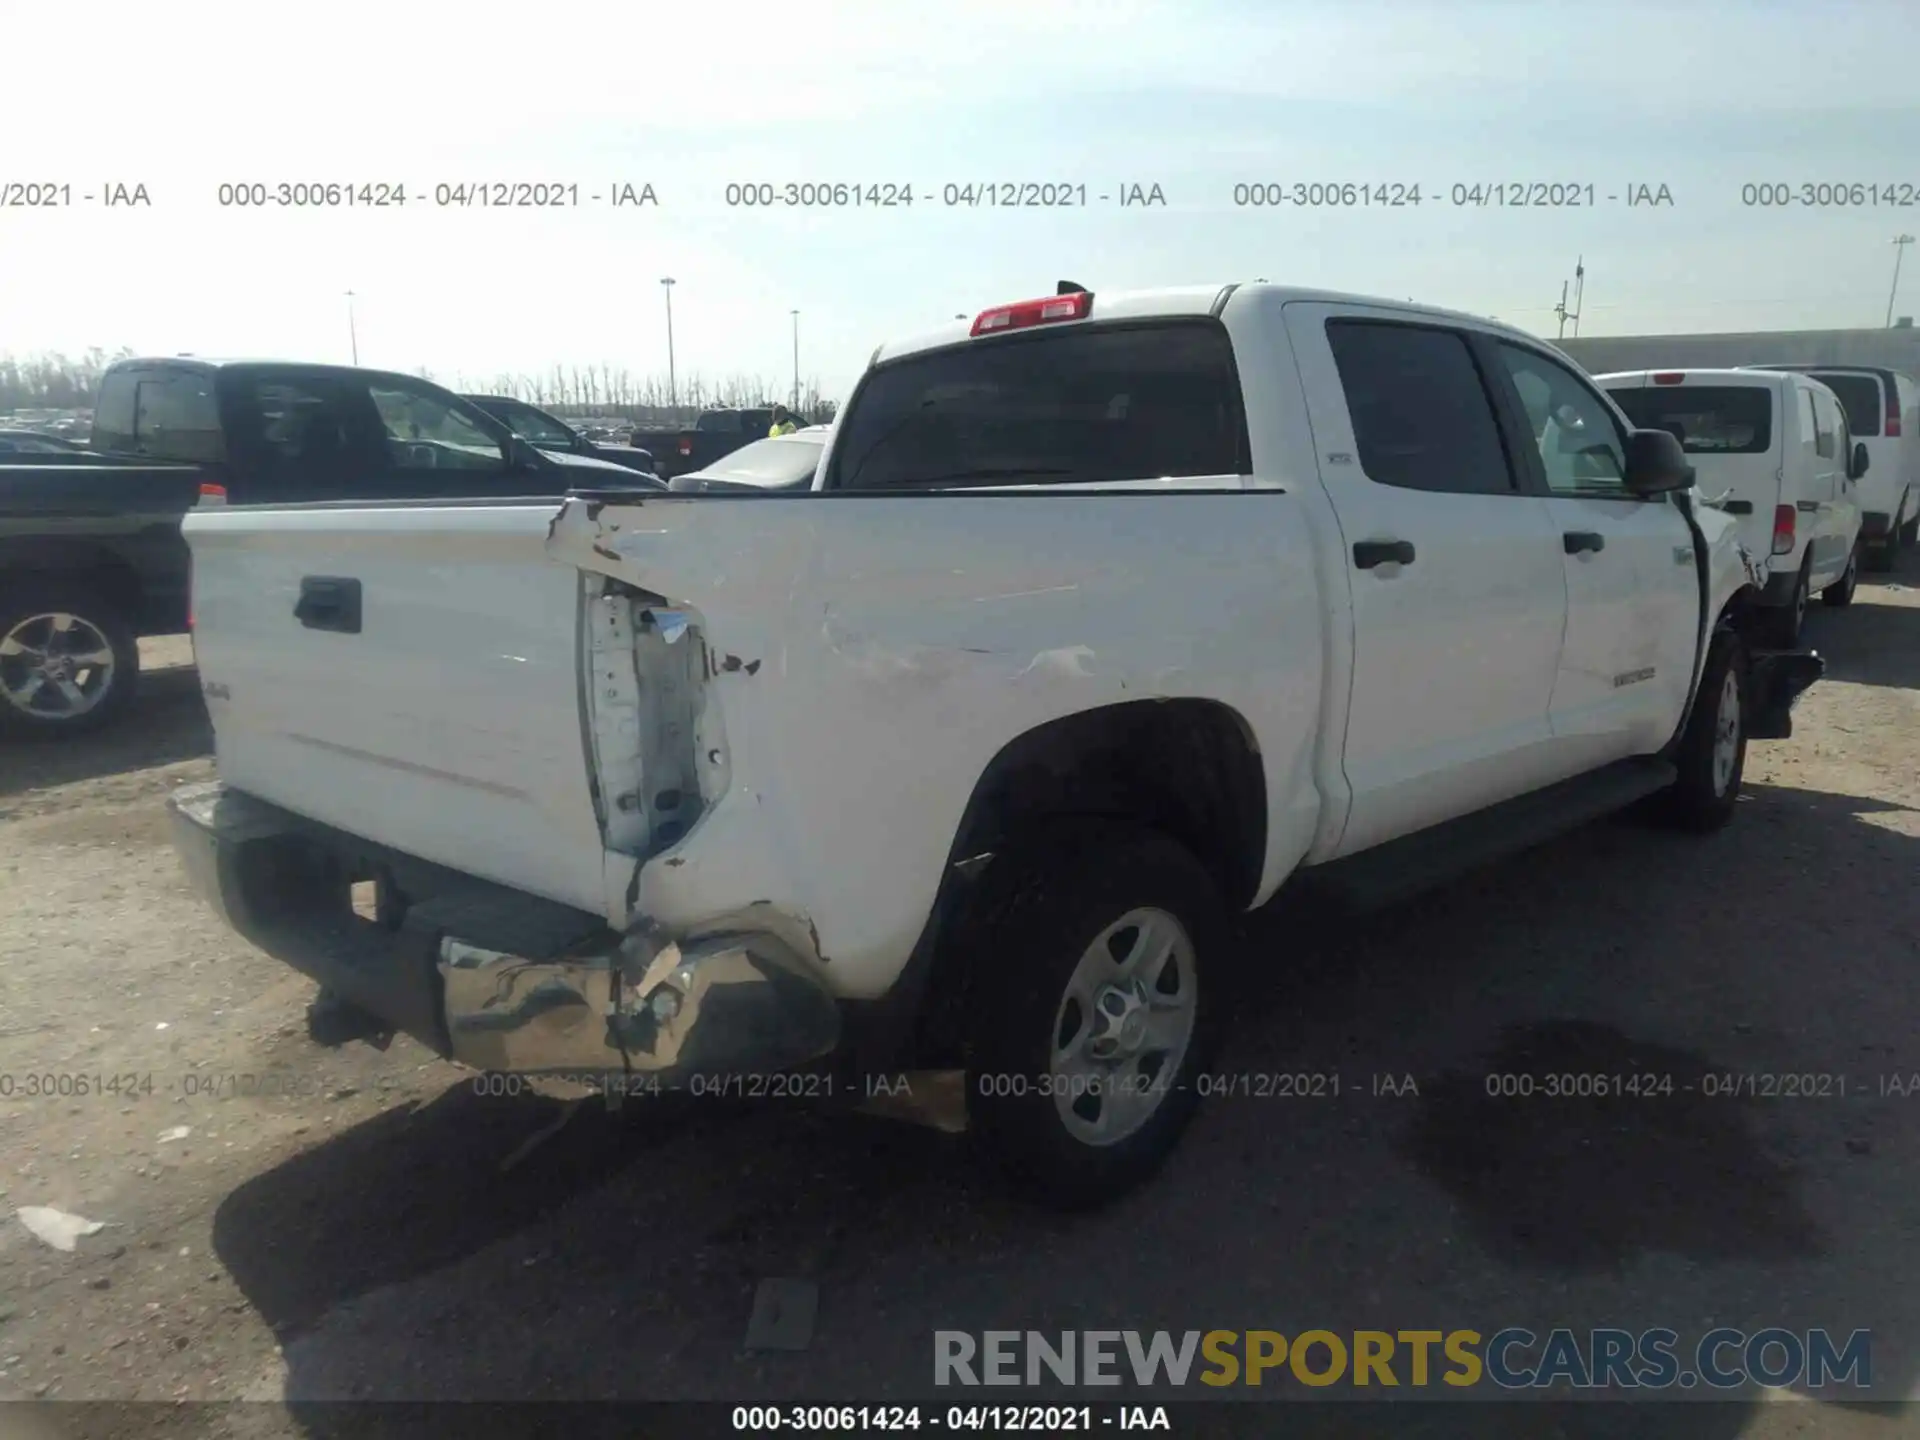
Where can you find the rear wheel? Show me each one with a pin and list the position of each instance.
(1910, 532)
(1880, 555)
(1840, 593)
(1713, 751)
(68, 661)
(1094, 1004)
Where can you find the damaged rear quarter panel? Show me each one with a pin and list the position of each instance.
(869, 655)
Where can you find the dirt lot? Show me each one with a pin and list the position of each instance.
(286, 1224)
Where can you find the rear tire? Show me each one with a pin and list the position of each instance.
(1880, 556)
(1839, 595)
(1713, 750)
(69, 662)
(1910, 532)
(1100, 951)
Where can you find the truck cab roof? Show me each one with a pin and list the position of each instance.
(1179, 300)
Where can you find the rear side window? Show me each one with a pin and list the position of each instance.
(1826, 442)
(1705, 419)
(113, 411)
(1859, 396)
(1422, 419)
(1088, 404)
(175, 417)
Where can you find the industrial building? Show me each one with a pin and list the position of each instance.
(1894, 348)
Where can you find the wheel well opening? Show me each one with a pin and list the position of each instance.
(1189, 768)
(113, 580)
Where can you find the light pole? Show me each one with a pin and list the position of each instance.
(673, 389)
(1900, 243)
(353, 336)
(796, 362)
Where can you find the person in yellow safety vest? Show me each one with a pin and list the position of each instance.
(782, 422)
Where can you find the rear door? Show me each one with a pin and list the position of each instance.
(1730, 430)
(1633, 596)
(1458, 597)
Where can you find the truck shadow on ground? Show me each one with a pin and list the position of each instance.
(167, 722)
(619, 1259)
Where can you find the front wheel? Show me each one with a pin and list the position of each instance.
(1093, 1006)
(1840, 594)
(1713, 750)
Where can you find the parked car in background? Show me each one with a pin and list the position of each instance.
(1110, 614)
(91, 553)
(715, 433)
(36, 442)
(549, 432)
(1883, 411)
(1778, 446)
(784, 462)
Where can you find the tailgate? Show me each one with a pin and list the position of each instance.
(442, 719)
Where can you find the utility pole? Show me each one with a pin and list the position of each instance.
(1580, 280)
(673, 388)
(1900, 243)
(796, 362)
(1579, 292)
(353, 335)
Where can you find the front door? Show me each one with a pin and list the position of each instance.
(1458, 596)
(1633, 590)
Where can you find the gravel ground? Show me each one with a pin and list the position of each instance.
(286, 1224)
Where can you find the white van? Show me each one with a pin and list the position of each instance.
(1883, 410)
(1778, 446)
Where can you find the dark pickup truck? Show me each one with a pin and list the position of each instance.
(554, 435)
(91, 556)
(716, 433)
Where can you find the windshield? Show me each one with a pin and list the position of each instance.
(1112, 403)
(772, 464)
(534, 426)
(1705, 419)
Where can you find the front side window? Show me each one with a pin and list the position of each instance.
(426, 431)
(1085, 404)
(1580, 446)
(1824, 426)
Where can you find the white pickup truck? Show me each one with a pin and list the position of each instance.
(1104, 618)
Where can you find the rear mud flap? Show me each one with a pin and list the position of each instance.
(1779, 678)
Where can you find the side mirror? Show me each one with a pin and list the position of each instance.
(1656, 465)
(1857, 462)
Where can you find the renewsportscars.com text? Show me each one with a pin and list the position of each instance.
(1508, 1359)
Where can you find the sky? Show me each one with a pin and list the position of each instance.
(1195, 97)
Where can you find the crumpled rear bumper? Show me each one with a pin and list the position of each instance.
(495, 978)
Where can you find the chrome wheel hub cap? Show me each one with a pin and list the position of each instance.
(1123, 1026)
(55, 666)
